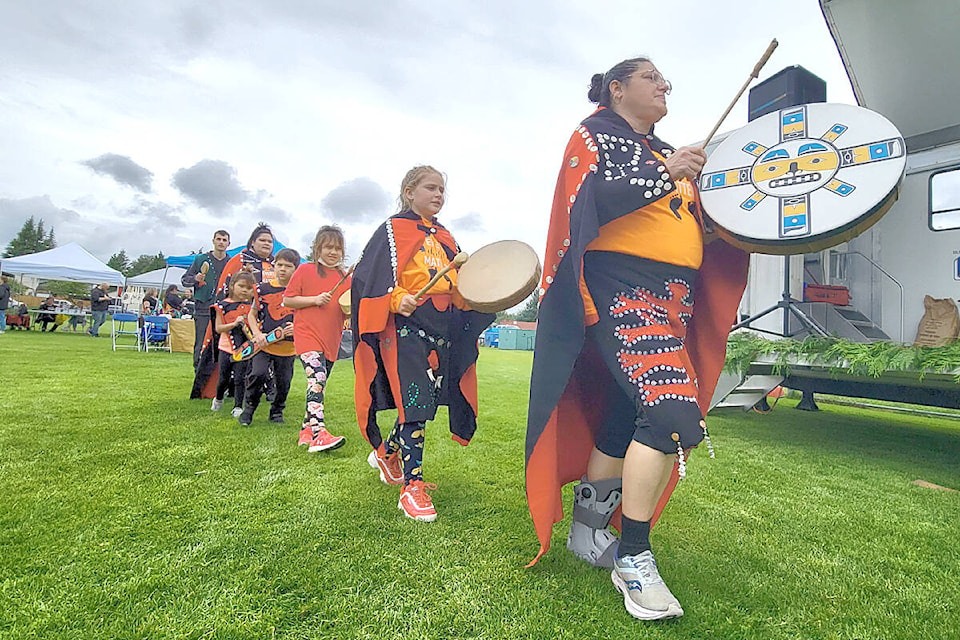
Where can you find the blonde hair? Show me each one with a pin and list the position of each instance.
(328, 234)
(410, 181)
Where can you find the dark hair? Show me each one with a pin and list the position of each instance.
(261, 229)
(237, 277)
(599, 92)
(172, 287)
(287, 255)
(221, 232)
(328, 234)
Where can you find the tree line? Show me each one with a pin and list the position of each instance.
(33, 237)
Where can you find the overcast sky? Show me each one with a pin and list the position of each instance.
(145, 126)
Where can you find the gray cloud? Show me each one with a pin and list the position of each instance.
(156, 216)
(212, 184)
(13, 213)
(473, 221)
(123, 170)
(356, 201)
(272, 214)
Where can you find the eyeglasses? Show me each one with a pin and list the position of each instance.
(656, 78)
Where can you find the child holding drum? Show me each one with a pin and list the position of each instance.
(317, 328)
(415, 346)
(229, 323)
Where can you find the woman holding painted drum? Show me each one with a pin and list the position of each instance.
(632, 329)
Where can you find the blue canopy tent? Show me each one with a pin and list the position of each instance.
(186, 261)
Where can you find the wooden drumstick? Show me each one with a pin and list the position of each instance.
(345, 276)
(457, 261)
(753, 75)
(245, 327)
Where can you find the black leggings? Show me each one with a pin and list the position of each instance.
(232, 374)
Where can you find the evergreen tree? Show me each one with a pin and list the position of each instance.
(30, 239)
(529, 311)
(120, 262)
(146, 263)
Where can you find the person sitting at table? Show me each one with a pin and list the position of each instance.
(20, 319)
(172, 302)
(50, 304)
(189, 304)
(149, 304)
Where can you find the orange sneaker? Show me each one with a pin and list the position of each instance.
(306, 437)
(390, 469)
(415, 502)
(324, 441)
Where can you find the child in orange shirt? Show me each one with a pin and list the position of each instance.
(412, 354)
(267, 315)
(232, 314)
(313, 294)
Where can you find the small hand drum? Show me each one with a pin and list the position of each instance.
(344, 301)
(499, 276)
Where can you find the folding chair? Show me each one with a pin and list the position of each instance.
(156, 333)
(124, 326)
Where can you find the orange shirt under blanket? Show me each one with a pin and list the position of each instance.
(317, 328)
(428, 260)
(665, 230)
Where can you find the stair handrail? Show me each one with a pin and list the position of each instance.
(884, 272)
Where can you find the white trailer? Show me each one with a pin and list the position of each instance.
(901, 61)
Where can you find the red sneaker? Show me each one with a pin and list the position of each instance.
(306, 437)
(415, 502)
(390, 470)
(324, 441)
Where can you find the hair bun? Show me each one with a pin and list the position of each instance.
(596, 88)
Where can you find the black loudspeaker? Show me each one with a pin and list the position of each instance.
(786, 88)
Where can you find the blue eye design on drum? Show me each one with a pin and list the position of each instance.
(798, 166)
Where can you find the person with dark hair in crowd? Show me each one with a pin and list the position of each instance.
(172, 302)
(99, 304)
(23, 317)
(636, 304)
(149, 305)
(230, 319)
(268, 314)
(189, 304)
(4, 302)
(203, 277)
(49, 317)
(256, 258)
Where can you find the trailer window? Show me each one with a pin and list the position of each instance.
(945, 200)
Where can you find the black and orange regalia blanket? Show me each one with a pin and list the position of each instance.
(375, 361)
(608, 171)
(208, 367)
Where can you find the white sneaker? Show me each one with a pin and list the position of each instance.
(237, 411)
(645, 595)
(216, 405)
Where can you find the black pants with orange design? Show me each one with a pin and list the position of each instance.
(644, 307)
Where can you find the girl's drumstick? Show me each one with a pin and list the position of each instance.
(753, 75)
(458, 260)
(345, 276)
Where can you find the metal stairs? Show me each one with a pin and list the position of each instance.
(844, 322)
(735, 390)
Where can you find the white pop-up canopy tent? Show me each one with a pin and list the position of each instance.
(70, 262)
(158, 278)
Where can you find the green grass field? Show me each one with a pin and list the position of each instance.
(128, 511)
